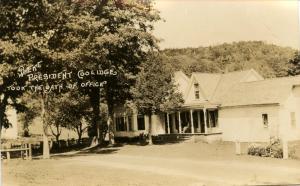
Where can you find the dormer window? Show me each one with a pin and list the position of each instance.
(196, 91)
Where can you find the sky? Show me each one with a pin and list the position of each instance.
(194, 23)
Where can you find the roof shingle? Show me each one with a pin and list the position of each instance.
(260, 92)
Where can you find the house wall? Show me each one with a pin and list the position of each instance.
(252, 76)
(292, 104)
(158, 126)
(35, 128)
(12, 131)
(246, 124)
(191, 96)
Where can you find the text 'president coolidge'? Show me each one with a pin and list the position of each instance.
(40, 77)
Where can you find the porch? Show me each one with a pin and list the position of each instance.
(202, 121)
(187, 138)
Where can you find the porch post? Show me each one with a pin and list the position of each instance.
(198, 120)
(114, 122)
(135, 122)
(168, 123)
(125, 122)
(205, 122)
(179, 122)
(128, 124)
(192, 122)
(173, 122)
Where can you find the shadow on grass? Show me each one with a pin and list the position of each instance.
(170, 139)
(106, 149)
(157, 140)
(89, 151)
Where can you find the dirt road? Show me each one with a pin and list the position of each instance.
(157, 165)
(200, 171)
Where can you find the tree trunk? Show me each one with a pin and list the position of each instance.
(57, 135)
(150, 129)
(1, 119)
(110, 127)
(95, 102)
(79, 138)
(57, 140)
(79, 133)
(46, 150)
(3, 104)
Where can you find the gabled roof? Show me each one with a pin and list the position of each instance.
(240, 88)
(267, 91)
(228, 80)
(182, 81)
(207, 82)
(214, 86)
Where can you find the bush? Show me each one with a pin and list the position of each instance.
(272, 149)
(256, 150)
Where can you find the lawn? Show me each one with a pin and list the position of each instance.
(180, 164)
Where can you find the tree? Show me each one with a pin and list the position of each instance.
(69, 112)
(267, 59)
(26, 30)
(155, 90)
(75, 35)
(32, 110)
(8, 70)
(110, 35)
(295, 65)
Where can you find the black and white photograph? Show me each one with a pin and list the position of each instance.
(150, 92)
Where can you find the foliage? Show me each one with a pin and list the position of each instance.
(68, 110)
(107, 34)
(155, 90)
(25, 29)
(32, 110)
(267, 59)
(92, 128)
(272, 149)
(76, 35)
(295, 65)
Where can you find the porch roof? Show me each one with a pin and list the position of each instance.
(197, 106)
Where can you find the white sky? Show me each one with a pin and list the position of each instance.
(193, 23)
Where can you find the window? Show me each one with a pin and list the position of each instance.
(293, 119)
(141, 122)
(197, 92)
(197, 95)
(120, 124)
(213, 118)
(265, 120)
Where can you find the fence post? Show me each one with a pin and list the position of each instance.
(7, 155)
(21, 152)
(26, 152)
(29, 151)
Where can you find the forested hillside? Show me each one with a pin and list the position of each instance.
(267, 59)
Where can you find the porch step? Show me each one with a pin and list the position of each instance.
(172, 138)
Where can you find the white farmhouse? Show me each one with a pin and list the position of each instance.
(233, 106)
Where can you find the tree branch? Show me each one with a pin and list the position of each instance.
(52, 130)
